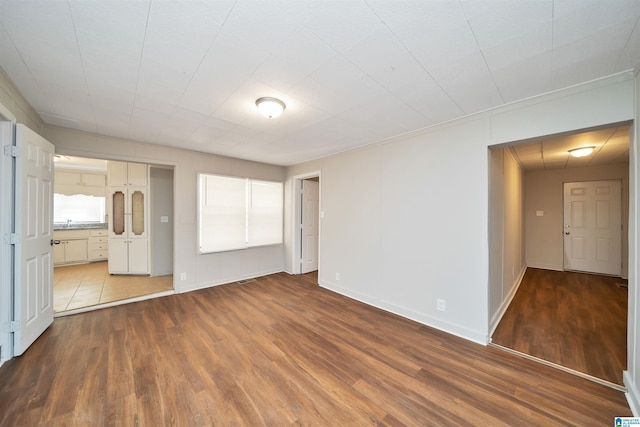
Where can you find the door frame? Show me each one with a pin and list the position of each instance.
(297, 219)
(6, 221)
(498, 258)
(151, 163)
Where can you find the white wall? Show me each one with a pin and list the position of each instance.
(632, 375)
(201, 270)
(506, 231)
(406, 220)
(543, 192)
(161, 237)
(12, 101)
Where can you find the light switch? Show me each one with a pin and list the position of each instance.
(321, 214)
(164, 218)
(539, 213)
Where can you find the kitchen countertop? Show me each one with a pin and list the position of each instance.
(80, 226)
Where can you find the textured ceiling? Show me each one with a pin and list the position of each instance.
(352, 72)
(611, 146)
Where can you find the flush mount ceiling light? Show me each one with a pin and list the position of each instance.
(270, 107)
(581, 152)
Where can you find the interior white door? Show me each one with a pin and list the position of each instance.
(309, 235)
(592, 227)
(33, 286)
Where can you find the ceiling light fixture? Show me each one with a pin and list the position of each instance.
(581, 152)
(270, 107)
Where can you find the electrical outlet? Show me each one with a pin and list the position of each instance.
(183, 276)
(442, 305)
(338, 277)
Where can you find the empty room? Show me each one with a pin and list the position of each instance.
(337, 197)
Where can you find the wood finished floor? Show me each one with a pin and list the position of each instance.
(575, 320)
(85, 285)
(280, 350)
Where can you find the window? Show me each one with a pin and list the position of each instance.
(78, 208)
(238, 213)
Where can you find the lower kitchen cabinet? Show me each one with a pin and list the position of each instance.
(78, 246)
(128, 256)
(70, 251)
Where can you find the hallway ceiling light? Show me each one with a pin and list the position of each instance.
(270, 107)
(581, 152)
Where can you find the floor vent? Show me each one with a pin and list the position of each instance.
(242, 282)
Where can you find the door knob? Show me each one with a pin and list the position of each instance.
(567, 233)
(55, 242)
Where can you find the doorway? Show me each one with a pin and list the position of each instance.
(82, 281)
(307, 225)
(527, 198)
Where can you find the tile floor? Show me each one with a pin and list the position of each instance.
(84, 285)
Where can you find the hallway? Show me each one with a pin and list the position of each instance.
(575, 320)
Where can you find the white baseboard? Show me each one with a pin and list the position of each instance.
(408, 313)
(632, 394)
(226, 281)
(543, 266)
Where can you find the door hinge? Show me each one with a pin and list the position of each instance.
(12, 326)
(13, 239)
(12, 151)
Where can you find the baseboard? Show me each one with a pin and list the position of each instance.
(543, 266)
(495, 320)
(226, 281)
(632, 394)
(408, 313)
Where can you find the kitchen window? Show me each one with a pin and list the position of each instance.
(78, 208)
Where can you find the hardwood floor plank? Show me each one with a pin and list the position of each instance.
(280, 351)
(576, 320)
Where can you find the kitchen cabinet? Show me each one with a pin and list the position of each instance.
(122, 174)
(73, 246)
(98, 245)
(70, 183)
(128, 232)
(70, 251)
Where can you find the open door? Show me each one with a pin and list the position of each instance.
(33, 261)
(309, 236)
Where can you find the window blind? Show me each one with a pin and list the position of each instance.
(237, 213)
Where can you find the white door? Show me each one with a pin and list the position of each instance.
(33, 288)
(309, 235)
(592, 227)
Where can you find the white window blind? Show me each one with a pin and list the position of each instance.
(264, 219)
(236, 213)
